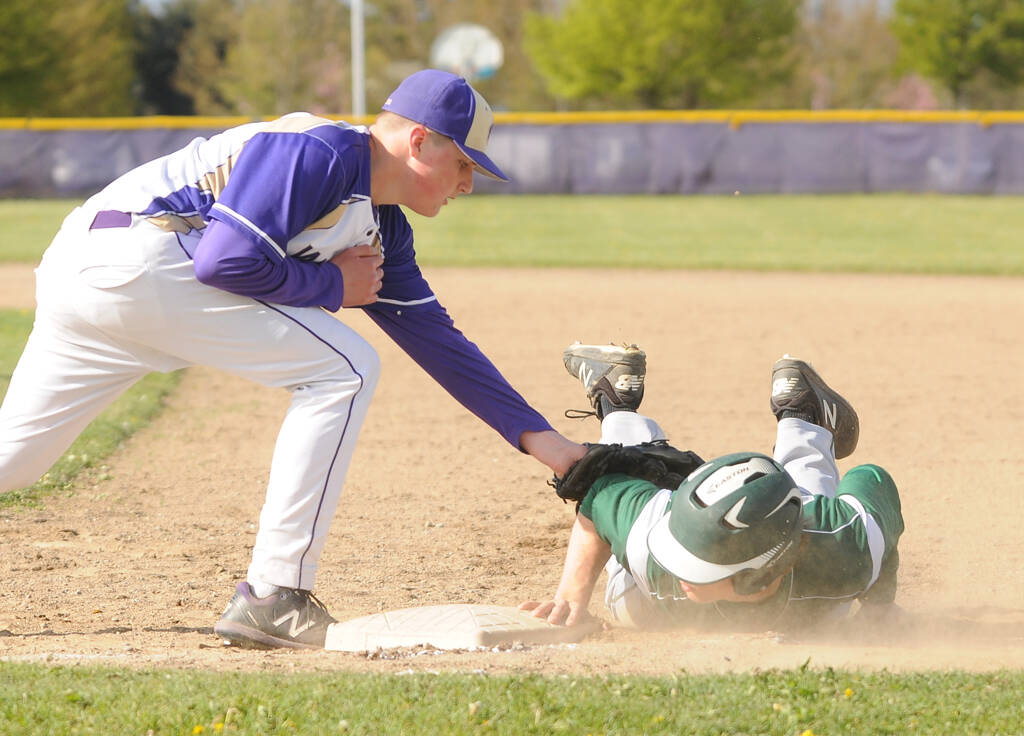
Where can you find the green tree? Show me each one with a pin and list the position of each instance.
(290, 56)
(400, 35)
(159, 35)
(518, 85)
(986, 92)
(847, 55)
(267, 57)
(956, 41)
(203, 53)
(60, 58)
(262, 57)
(28, 53)
(664, 53)
(95, 75)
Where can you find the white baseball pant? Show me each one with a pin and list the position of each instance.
(115, 304)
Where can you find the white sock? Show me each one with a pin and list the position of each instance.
(262, 590)
(629, 428)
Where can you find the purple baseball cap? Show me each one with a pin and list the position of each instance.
(445, 103)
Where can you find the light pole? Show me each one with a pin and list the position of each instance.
(358, 57)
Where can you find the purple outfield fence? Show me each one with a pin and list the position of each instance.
(707, 152)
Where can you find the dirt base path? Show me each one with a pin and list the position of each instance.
(135, 570)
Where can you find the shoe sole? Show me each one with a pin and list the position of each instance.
(607, 355)
(813, 377)
(601, 353)
(245, 637)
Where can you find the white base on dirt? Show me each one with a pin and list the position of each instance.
(453, 626)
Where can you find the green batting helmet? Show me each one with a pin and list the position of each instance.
(738, 516)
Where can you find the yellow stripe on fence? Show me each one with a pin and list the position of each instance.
(734, 118)
(146, 122)
(738, 118)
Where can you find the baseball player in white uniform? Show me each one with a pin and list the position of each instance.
(744, 540)
(231, 252)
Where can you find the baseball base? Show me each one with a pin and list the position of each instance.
(454, 626)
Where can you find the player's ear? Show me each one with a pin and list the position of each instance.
(418, 135)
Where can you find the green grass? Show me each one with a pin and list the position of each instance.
(891, 233)
(64, 700)
(28, 225)
(865, 233)
(133, 410)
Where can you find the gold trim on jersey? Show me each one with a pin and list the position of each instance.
(173, 223)
(331, 219)
(215, 181)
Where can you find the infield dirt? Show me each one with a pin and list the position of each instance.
(134, 570)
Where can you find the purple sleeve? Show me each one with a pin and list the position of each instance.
(230, 261)
(280, 183)
(431, 339)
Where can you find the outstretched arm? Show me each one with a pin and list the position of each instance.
(429, 337)
(584, 560)
(552, 449)
(408, 311)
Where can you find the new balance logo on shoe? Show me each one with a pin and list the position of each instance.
(783, 385)
(294, 630)
(799, 392)
(829, 415)
(612, 376)
(288, 618)
(585, 375)
(628, 382)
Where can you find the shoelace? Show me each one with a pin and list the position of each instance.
(313, 602)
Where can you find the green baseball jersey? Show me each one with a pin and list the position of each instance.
(848, 551)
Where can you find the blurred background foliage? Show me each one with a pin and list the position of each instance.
(268, 57)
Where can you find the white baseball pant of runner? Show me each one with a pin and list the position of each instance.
(805, 450)
(115, 304)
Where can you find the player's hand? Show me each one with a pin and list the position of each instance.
(361, 273)
(558, 612)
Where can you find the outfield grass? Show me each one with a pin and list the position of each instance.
(916, 234)
(64, 700)
(866, 233)
(863, 233)
(28, 225)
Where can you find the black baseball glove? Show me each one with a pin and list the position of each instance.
(657, 462)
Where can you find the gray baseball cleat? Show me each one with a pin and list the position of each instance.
(288, 618)
(612, 375)
(798, 391)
